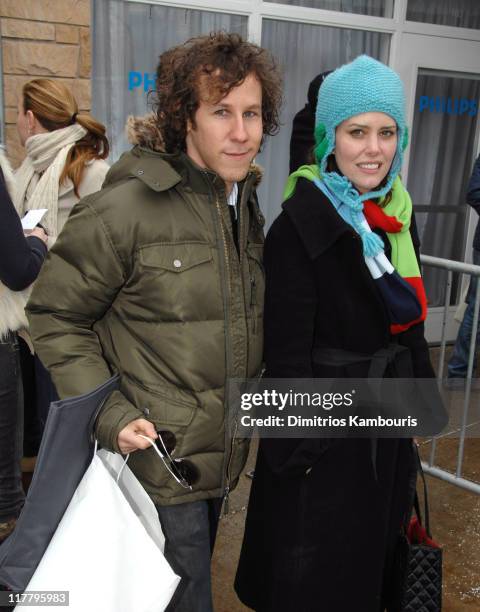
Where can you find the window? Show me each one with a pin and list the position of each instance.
(441, 160)
(461, 13)
(379, 8)
(304, 51)
(128, 39)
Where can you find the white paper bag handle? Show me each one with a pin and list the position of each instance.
(123, 464)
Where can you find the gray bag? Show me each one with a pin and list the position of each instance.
(65, 453)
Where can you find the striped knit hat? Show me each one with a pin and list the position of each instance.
(365, 85)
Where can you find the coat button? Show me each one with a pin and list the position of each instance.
(177, 263)
(307, 471)
(140, 172)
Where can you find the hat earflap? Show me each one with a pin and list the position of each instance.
(405, 138)
(321, 142)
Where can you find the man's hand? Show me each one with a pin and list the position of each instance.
(128, 439)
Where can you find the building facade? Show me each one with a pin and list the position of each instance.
(49, 38)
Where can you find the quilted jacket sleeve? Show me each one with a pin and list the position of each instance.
(78, 283)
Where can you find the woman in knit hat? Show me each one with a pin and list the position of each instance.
(342, 279)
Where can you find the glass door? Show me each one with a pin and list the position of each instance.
(442, 78)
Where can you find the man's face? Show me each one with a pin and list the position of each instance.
(228, 132)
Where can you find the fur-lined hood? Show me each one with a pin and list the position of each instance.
(145, 132)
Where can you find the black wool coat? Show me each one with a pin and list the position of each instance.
(321, 528)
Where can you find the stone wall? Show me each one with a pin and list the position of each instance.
(48, 38)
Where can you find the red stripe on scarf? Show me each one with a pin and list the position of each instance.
(417, 283)
(377, 218)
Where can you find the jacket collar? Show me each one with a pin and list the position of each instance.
(161, 171)
(315, 218)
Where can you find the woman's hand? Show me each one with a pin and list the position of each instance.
(39, 232)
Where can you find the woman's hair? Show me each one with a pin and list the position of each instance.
(55, 107)
(226, 60)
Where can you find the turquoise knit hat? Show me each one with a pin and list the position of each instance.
(362, 86)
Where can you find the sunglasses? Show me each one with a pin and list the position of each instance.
(183, 470)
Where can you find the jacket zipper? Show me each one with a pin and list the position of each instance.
(225, 247)
(253, 303)
(224, 270)
(241, 228)
(253, 300)
(226, 505)
(226, 487)
(226, 471)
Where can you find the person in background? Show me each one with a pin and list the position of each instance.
(65, 161)
(458, 364)
(303, 126)
(65, 153)
(20, 261)
(324, 515)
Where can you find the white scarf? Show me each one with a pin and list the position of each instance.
(44, 163)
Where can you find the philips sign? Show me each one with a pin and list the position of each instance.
(448, 106)
(141, 79)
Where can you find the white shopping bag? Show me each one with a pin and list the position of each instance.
(107, 551)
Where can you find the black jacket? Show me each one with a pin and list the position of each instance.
(473, 198)
(321, 528)
(301, 140)
(20, 258)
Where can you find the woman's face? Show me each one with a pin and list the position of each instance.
(365, 146)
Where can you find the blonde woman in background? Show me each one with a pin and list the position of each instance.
(65, 149)
(65, 161)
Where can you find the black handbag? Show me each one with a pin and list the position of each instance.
(418, 563)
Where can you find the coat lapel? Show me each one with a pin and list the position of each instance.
(315, 219)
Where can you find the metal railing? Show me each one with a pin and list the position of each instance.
(454, 266)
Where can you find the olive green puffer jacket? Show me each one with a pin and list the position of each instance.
(145, 280)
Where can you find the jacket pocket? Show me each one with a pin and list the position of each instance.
(175, 257)
(176, 282)
(170, 409)
(162, 404)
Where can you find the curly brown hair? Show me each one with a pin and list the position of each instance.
(226, 60)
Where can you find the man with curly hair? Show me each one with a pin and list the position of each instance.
(159, 277)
